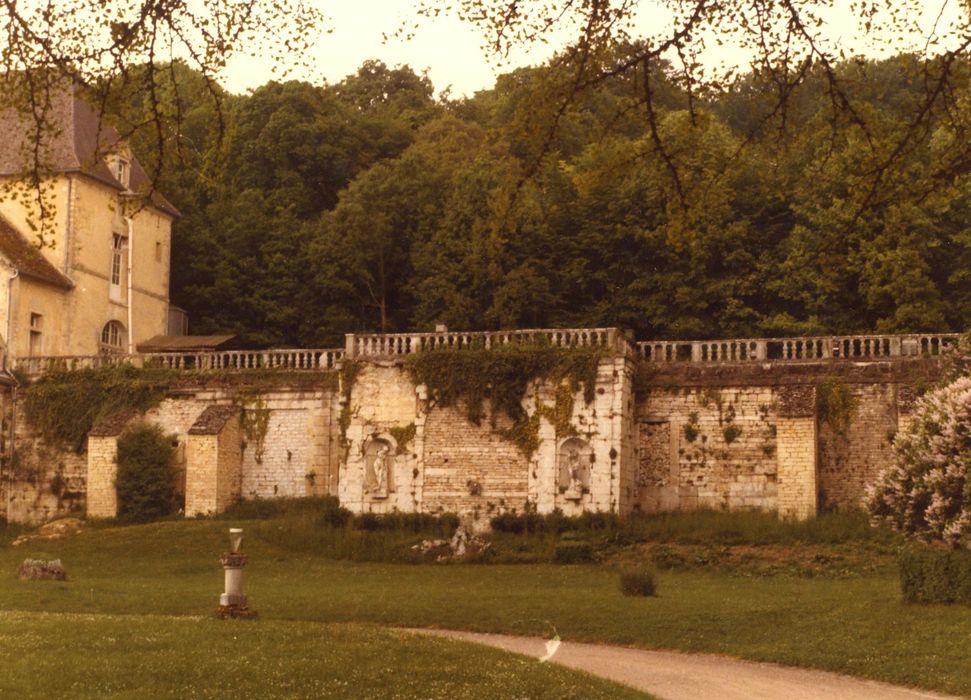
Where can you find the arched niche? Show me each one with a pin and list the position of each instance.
(379, 458)
(574, 461)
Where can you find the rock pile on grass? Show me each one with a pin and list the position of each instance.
(461, 544)
(41, 570)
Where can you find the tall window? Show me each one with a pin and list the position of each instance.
(36, 346)
(113, 337)
(118, 244)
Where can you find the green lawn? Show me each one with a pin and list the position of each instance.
(71, 655)
(856, 625)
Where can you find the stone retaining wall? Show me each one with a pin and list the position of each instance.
(656, 437)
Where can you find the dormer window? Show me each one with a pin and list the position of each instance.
(120, 166)
(123, 172)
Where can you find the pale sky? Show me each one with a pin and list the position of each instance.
(451, 50)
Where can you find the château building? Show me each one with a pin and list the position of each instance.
(84, 256)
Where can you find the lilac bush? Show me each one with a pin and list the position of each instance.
(926, 492)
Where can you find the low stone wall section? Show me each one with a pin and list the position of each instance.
(707, 447)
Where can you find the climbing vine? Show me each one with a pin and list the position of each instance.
(64, 406)
(255, 422)
(523, 433)
(348, 375)
(402, 436)
(836, 404)
(502, 376)
(561, 412)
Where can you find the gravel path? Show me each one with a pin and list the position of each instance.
(673, 675)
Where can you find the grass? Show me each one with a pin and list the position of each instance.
(834, 544)
(10, 531)
(135, 619)
(856, 625)
(45, 655)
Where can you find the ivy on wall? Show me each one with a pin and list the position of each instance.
(836, 405)
(502, 377)
(255, 421)
(560, 413)
(403, 435)
(347, 376)
(64, 406)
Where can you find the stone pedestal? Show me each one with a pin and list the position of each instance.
(232, 602)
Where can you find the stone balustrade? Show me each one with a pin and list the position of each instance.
(394, 344)
(290, 359)
(387, 345)
(842, 347)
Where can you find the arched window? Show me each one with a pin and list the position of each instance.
(113, 337)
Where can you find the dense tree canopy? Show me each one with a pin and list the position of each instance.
(370, 205)
(620, 183)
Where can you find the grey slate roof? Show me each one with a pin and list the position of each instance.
(77, 143)
(213, 420)
(113, 425)
(26, 259)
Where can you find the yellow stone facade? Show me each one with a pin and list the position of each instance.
(84, 254)
(87, 216)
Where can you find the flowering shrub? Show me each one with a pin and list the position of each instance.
(926, 493)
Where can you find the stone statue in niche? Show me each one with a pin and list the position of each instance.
(378, 469)
(573, 474)
(573, 465)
